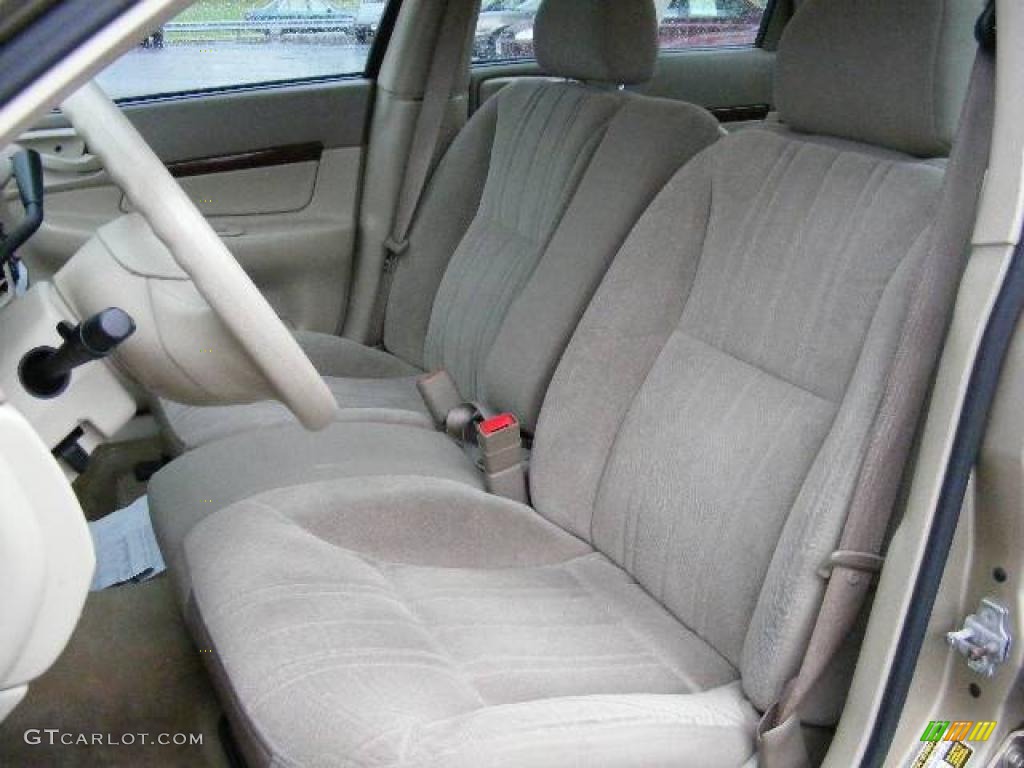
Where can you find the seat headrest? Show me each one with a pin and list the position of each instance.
(601, 41)
(887, 72)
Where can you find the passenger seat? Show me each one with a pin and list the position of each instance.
(753, 361)
(518, 225)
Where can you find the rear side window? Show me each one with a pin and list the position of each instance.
(218, 44)
(505, 29)
(710, 23)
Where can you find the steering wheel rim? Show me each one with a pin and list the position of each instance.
(199, 251)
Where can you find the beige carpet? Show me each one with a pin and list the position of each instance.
(130, 667)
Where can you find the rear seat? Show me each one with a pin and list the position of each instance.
(769, 322)
(517, 227)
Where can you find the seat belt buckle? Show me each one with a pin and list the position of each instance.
(450, 412)
(501, 451)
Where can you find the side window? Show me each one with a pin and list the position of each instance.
(224, 43)
(710, 23)
(505, 29)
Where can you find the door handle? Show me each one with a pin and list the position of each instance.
(227, 230)
(63, 152)
(83, 164)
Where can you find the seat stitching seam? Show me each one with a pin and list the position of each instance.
(541, 241)
(851, 224)
(643, 642)
(755, 366)
(798, 247)
(754, 222)
(599, 480)
(490, 200)
(427, 630)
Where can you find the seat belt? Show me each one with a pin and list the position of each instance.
(779, 736)
(441, 79)
(497, 435)
(450, 411)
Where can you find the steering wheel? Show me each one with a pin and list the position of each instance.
(200, 253)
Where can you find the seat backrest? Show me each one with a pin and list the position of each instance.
(707, 424)
(532, 201)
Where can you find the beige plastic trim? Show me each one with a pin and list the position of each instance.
(250, 191)
(396, 107)
(198, 250)
(180, 349)
(46, 557)
(10, 698)
(301, 260)
(95, 400)
(998, 227)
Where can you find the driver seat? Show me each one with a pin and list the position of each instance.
(514, 232)
(694, 462)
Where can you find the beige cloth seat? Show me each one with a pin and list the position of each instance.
(514, 232)
(430, 624)
(386, 393)
(215, 476)
(696, 454)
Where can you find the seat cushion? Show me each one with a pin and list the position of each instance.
(404, 621)
(395, 401)
(216, 475)
(369, 384)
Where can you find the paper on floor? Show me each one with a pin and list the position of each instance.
(126, 548)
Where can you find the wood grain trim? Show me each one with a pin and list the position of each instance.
(260, 158)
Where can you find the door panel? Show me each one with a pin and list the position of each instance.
(276, 170)
(283, 188)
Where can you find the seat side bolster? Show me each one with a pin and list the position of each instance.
(777, 637)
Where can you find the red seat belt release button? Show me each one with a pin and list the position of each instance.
(501, 454)
(498, 423)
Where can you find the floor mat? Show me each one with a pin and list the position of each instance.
(130, 668)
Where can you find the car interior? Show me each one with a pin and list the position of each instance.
(570, 383)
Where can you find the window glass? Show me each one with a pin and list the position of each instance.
(710, 23)
(224, 43)
(505, 29)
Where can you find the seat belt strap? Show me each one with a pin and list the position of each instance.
(450, 411)
(780, 740)
(440, 84)
(440, 394)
